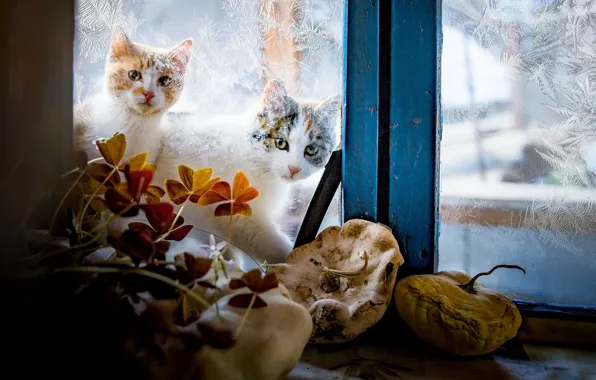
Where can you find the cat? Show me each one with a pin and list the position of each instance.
(285, 142)
(141, 83)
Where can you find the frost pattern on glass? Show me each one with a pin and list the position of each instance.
(518, 151)
(238, 46)
(230, 62)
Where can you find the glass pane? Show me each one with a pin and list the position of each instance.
(219, 82)
(518, 151)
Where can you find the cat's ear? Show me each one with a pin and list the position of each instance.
(330, 109)
(328, 115)
(274, 96)
(120, 45)
(182, 52)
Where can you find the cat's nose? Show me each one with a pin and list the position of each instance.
(149, 95)
(294, 170)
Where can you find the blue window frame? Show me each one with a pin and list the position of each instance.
(392, 130)
(391, 124)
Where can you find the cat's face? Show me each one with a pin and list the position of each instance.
(300, 137)
(147, 80)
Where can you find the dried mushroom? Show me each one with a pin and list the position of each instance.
(453, 313)
(345, 278)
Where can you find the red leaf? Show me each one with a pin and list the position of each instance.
(143, 228)
(179, 234)
(243, 301)
(158, 214)
(117, 203)
(135, 244)
(197, 266)
(252, 278)
(138, 182)
(162, 247)
(267, 283)
(236, 283)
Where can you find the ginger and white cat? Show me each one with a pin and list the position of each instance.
(141, 83)
(284, 142)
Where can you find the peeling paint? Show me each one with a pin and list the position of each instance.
(415, 122)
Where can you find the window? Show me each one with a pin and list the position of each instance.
(238, 46)
(518, 147)
(494, 99)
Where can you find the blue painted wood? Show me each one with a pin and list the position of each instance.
(360, 109)
(414, 130)
(552, 311)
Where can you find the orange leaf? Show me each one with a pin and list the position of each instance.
(135, 163)
(112, 149)
(237, 209)
(153, 194)
(247, 196)
(177, 192)
(222, 188)
(200, 178)
(186, 175)
(210, 198)
(240, 183)
(219, 192)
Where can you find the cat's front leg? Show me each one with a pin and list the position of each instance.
(266, 242)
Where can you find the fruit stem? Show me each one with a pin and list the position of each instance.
(469, 286)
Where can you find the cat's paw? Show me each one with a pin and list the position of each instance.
(275, 249)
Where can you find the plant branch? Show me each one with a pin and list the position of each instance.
(252, 301)
(59, 207)
(172, 225)
(95, 192)
(141, 272)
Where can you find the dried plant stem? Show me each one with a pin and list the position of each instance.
(59, 207)
(229, 238)
(252, 301)
(469, 286)
(141, 272)
(95, 192)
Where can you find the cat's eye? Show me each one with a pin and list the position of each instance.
(310, 150)
(164, 81)
(134, 75)
(281, 144)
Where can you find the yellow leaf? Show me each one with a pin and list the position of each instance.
(150, 167)
(186, 175)
(153, 194)
(200, 178)
(98, 204)
(136, 162)
(113, 149)
(91, 185)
